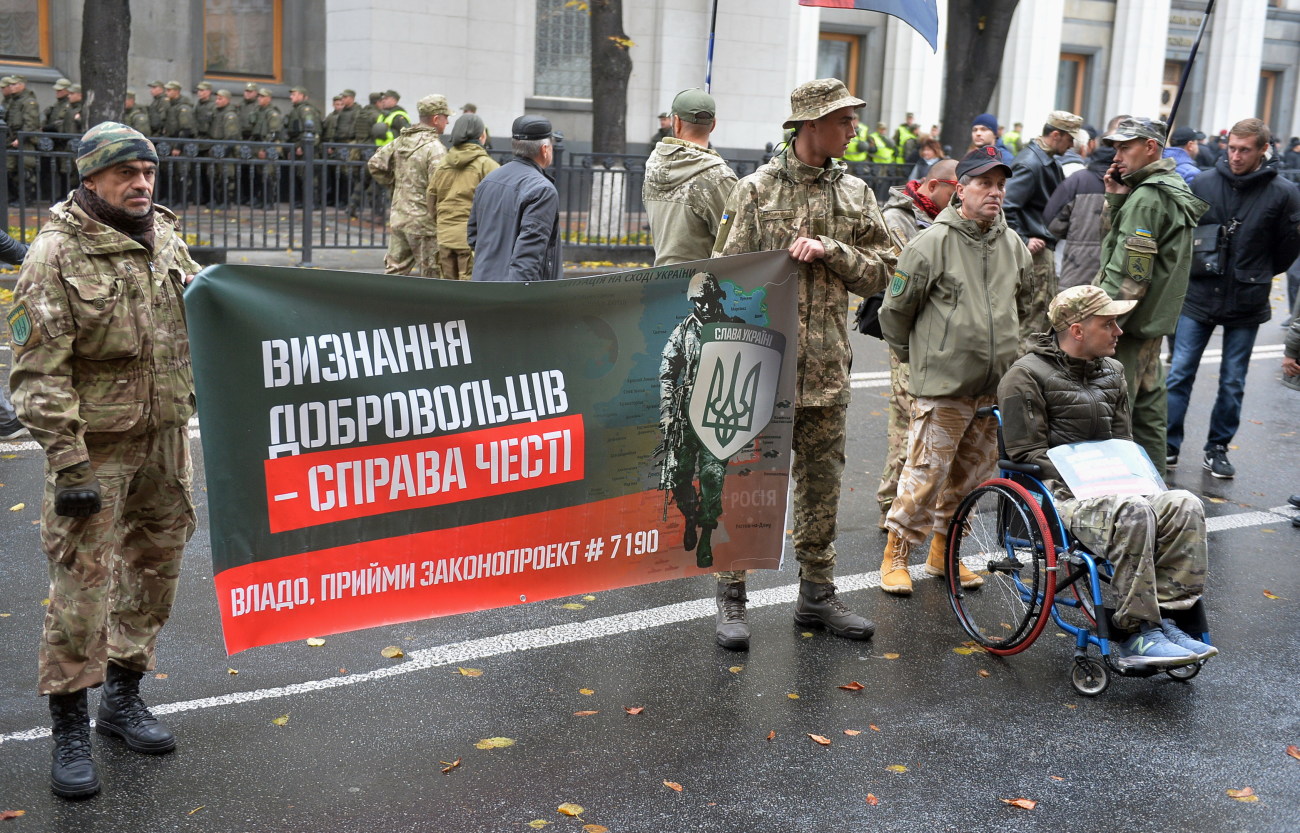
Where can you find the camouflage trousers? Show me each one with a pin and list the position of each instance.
(705, 506)
(817, 470)
(1156, 545)
(1043, 273)
(113, 575)
(900, 409)
(950, 451)
(1145, 375)
(456, 264)
(411, 254)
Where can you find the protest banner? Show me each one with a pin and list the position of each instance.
(382, 448)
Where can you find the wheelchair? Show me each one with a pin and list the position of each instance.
(1007, 530)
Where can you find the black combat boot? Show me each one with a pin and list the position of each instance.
(72, 774)
(690, 532)
(123, 714)
(818, 605)
(704, 551)
(732, 628)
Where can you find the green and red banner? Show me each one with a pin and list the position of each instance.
(383, 448)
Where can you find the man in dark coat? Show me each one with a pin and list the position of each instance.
(514, 224)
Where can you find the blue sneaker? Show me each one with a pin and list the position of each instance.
(1152, 649)
(1179, 637)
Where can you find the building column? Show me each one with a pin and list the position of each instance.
(913, 73)
(1137, 58)
(1236, 41)
(1027, 83)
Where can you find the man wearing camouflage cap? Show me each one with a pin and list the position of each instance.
(1068, 390)
(686, 183)
(52, 120)
(405, 165)
(248, 110)
(204, 108)
(1146, 256)
(133, 115)
(23, 114)
(157, 107)
(101, 377)
(804, 201)
(1034, 176)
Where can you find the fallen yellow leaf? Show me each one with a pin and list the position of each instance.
(538, 824)
(873, 727)
(595, 828)
(281, 720)
(634, 709)
(160, 676)
(673, 785)
(315, 641)
(1072, 705)
(824, 741)
(1245, 794)
(494, 743)
(1216, 500)
(587, 713)
(470, 672)
(891, 656)
(1269, 594)
(589, 598)
(852, 732)
(793, 696)
(5, 815)
(232, 672)
(853, 685)
(450, 765)
(392, 652)
(1056, 778)
(736, 669)
(984, 672)
(1023, 803)
(196, 809)
(17, 507)
(806, 634)
(586, 691)
(872, 800)
(570, 809)
(1293, 751)
(896, 768)
(771, 735)
(573, 606)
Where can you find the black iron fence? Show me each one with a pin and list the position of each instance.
(306, 196)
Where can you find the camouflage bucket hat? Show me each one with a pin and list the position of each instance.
(110, 143)
(433, 105)
(1136, 127)
(1078, 303)
(814, 99)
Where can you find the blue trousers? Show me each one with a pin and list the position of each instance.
(1189, 343)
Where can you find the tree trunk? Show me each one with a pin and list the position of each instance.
(977, 37)
(611, 66)
(105, 41)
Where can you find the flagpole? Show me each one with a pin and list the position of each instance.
(1187, 68)
(708, 66)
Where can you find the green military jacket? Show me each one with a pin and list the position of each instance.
(1146, 247)
(786, 199)
(367, 115)
(53, 119)
(100, 346)
(296, 123)
(137, 118)
(955, 306)
(685, 190)
(72, 118)
(268, 124)
(178, 121)
(405, 164)
(225, 124)
(24, 114)
(329, 129)
(247, 116)
(204, 111)
(157, 109)
(451, 192)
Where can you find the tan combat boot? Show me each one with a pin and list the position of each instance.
(934, 565)
(894, 577)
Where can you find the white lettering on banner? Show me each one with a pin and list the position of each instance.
(357, 482)
(420, 412)
(283, 595)
(333, 357)
(533, 455)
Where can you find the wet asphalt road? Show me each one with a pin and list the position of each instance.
(366, 737)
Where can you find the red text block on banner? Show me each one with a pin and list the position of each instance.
(326, 486)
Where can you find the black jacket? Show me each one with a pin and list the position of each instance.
(1034, 176)
(514, 225)
(11, 251)
(1266, 243)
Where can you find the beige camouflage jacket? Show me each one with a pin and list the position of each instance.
(685, 190)
(405, 164)
(786, 199)
(101, 351)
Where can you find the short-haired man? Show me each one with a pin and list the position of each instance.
(1073, 214)
(157, 107)
(1069, 390)
(1184, 145)
(953, 312)
(1146, 253)
(665, 130)
(909, 209)
(514, 225)
(686, 183)
(102, 379)
(805, 202)
(405, 165)
(1261, 212)
(1035, 174)
(248, 110)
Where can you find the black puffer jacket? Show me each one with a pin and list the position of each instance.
(1266, 243)
(1048, 399)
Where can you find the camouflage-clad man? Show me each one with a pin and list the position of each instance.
(157, 108)
(23, 114)
(224, 128)
(72, 112)
(686, 183)
(268, 126)
(329, 129)
(684, 454)
(405, 165)
(248, 110)
(804, 201)
(102, 379)
(302, 113)
(368, 192)
(52, 120)
(345, 131)
(1146, 256)
(178, 120)
(135, 116)
(204, 107)
(1067, 390)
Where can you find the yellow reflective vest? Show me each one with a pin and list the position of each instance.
(387, 118)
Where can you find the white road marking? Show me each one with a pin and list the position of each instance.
(474, 650)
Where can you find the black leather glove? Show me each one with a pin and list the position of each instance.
(76, 492)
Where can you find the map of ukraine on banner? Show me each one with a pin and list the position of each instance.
(381, 448)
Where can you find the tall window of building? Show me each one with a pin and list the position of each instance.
(837, 57)
(1268, 86)
(25, 31)
(241, 38)
(1071, 78)
(562, 57)
(1169, 90)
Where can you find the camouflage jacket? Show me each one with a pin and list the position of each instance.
(24, 114)
(204, 113)
(137, 118)
(268, 124)
(903, 216)
(685, 189)
(178, 120)
(786, 199)
(52, 122)
(346, 128)
(73, 115)
(101, 351)
(247, 117)
(405, 164)
(157, 109)
(225, 124)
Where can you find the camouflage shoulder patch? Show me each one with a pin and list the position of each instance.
(20, 324)
(899, 283)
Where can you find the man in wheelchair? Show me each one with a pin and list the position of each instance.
(1069, 390)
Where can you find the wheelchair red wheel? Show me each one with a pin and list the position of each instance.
(999, 533)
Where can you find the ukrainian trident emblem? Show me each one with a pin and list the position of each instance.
(734, 391)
